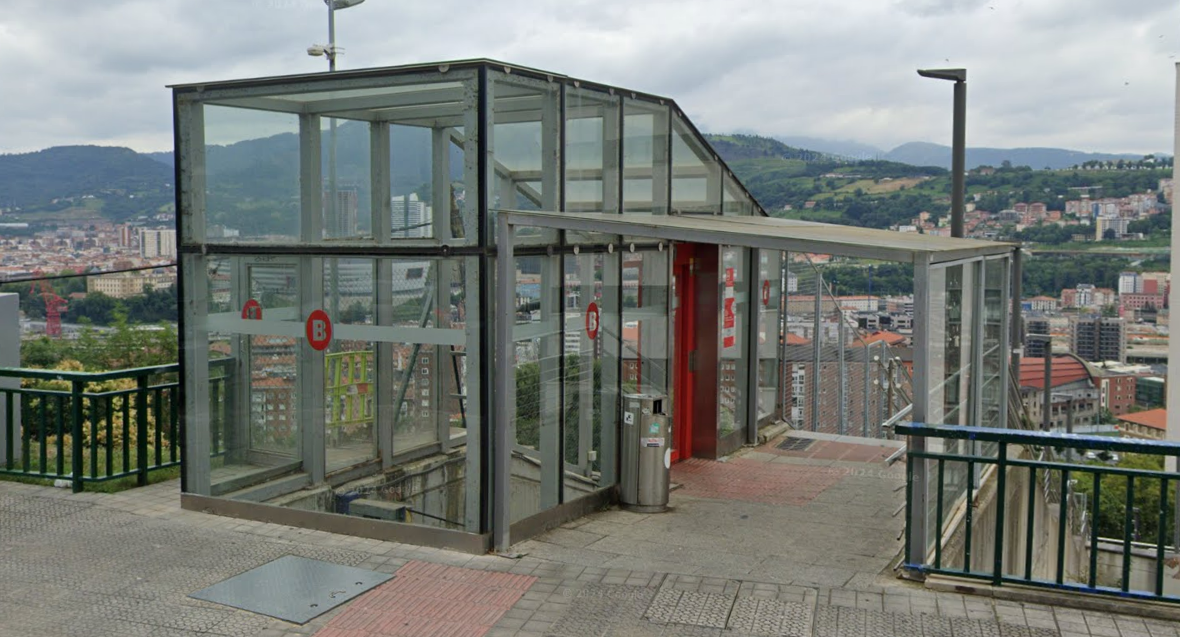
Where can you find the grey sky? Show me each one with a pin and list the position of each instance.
(1092, 75)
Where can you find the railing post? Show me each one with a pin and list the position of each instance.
(909, 507)
(816, 351)
(10, 439)
(141, 430)
(868, 350)
(76, 461)
(841, 365)
(1001, 497)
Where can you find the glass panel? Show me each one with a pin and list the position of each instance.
(993, 352)
(426, 169)
(769, 305)
(415, 366)
(350, 431)
(645, 322)
(696, 175)
(524, 168)
(345, 170)
(591, 152)
(736, 201)
(434, 477)
(536, 424)
(733, 372)
(272, 364)
(591, 355)
(952, 319)
(251, 175)
(645, 157)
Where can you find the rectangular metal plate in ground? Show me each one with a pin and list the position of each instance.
(293, 589)
(795, 444)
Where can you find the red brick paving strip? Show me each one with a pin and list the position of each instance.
(430, 600)
(753, 481)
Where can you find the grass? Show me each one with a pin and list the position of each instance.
(814, 214)
(871, 186)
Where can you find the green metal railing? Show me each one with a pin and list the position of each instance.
(99, 426)
(1049, 462)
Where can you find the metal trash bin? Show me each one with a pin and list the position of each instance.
(647, 453)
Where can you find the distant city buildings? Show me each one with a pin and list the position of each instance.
(157, 243)
(1099, 338)
(411, 218)
(340, 221)
(125, 284)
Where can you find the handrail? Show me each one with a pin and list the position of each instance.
(1103, 565)
(95, 436)
(1039, 438)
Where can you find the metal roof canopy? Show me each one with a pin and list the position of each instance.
(769, 233)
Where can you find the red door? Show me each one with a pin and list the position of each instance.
(684, 378)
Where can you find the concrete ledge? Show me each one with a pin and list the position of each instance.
(275, 488)
(772, 431)
(254, 478)
(1034, 595)
(378, 510)
(476, 544)
(556, 516)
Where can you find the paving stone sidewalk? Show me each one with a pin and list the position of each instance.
(123, 564)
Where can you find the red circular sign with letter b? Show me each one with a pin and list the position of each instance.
(592, 321)
(252, 310)
(319, 330)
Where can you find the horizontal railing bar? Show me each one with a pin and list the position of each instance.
(88, 377)
(1043, 438)
(1074, 588)
(24, 391)
(1042, 464)
(34, 392)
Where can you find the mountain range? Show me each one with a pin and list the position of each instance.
(927, 154)
(127, 183)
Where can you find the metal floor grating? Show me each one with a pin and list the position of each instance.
(293, 589)
(795, 444)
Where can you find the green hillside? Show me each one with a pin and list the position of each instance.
(118, 181)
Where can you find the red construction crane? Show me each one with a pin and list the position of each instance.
(54, 304)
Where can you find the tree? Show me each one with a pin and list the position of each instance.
(1109, 234)
(1145, 505)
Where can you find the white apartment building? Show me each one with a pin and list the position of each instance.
(157, 243)
(411, 218)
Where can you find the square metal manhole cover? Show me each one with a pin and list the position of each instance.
(293, 589)
(795, 444)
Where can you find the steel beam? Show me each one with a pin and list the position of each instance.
(922, 384)
(505, 379)
(816, 349)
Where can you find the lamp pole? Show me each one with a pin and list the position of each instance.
(958, 142)
(334, 226)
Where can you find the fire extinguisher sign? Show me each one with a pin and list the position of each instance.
(728, 321)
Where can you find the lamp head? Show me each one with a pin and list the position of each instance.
(342, 4)
(954, 75)
(316, 50)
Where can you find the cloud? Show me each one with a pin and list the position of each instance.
(1085, 74)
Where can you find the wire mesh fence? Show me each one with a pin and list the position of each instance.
(843, 371)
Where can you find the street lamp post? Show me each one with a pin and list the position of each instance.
(330, 52)
(334, 226)
(958, 141)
